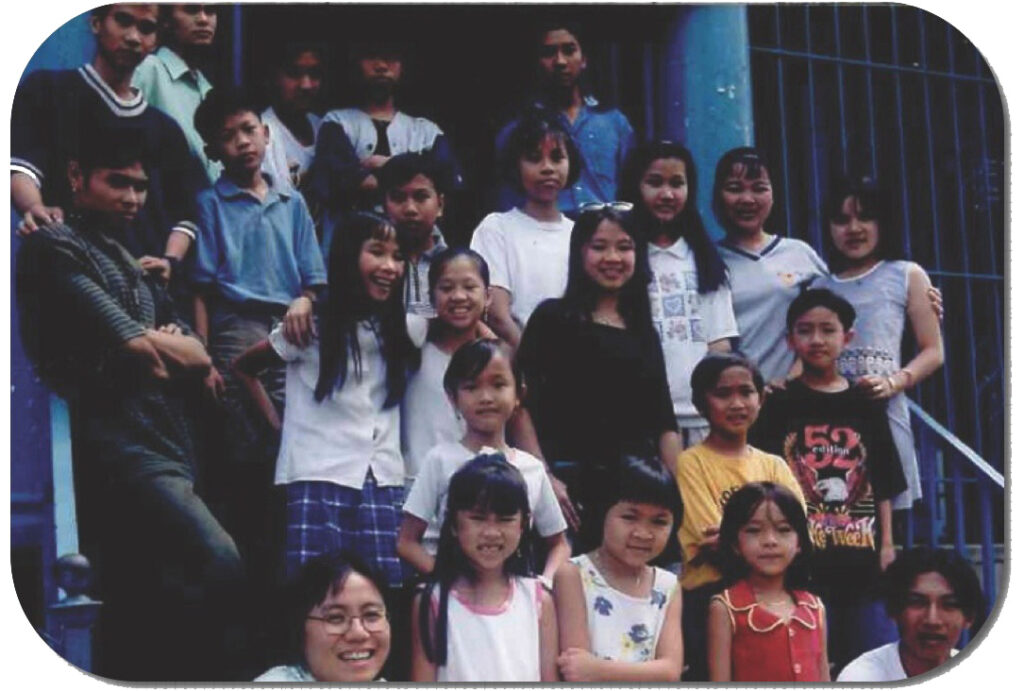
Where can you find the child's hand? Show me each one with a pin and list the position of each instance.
(578, 665)
(299, 328)
(214, 384)
(775, 385)
(886, 555)
(170, 328)
(158, 266)
(708, 543)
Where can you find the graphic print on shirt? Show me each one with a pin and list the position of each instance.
(675, 307)
(830, 463)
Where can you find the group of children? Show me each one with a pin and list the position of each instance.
(468, 417)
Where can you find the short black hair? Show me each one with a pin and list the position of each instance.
(220, 104)
(319, 577)
(875, 204)
(113, 146)
(753, 162)
(705, 376)
(534, 125)
(374, 48)
(450, 254)
(472, 358)
(402, 168)
(738, 509)
(559, 24)
(643, 479)
(821, 297)
(958, 572)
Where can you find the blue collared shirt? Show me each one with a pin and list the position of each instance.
(256, 250)
(604, 138)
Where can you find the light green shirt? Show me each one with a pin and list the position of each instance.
(168, 83)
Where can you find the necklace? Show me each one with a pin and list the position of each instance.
(606, 572)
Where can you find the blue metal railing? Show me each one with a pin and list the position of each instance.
(946, 497)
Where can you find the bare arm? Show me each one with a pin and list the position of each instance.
(669, 447)
(719, 642)
(410, 546)
(500, 317)
(925, 323)
(247, 367)
(202, 317)
(571, 604)
(27, 199)
(719, 346)
(559, 552)
(422, 670)
(180, 352)
(886, 551)
(548, 638)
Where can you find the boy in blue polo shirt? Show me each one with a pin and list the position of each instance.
(257, 262)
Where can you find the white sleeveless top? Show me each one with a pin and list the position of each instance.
(623, 627)
(502, 643)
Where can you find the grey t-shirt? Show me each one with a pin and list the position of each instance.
(763, 284)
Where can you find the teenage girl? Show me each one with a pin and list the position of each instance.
(690, 299)
(863, 256)
(762, 628)
(527, 247)
(619, 619)
(484, 386)
(459, 284)
(728, 391)
(595, 374)
(340, 460)
(481, 618)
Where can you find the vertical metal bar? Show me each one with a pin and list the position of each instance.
(841, 89)
(868, 76)
(959, 525)
(988, 552)
(783, 134)
(64, 516)
(972, 349)
(815, 195)
(904, 193)
(237, 67)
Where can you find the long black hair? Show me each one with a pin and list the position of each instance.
(347, 304)
(875, 204)
(581, 293)
(737, 512)
(491, 484)
(711, 272)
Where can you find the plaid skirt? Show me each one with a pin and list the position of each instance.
(324, 517)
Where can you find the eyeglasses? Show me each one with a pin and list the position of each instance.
(338, 624)
(604, 206)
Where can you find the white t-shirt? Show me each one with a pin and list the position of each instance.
(428, 417)
(880, 664)
(526, 257)
(346, 434)
(686, 321)
(429, 494)
(287, 159)
(487, 644)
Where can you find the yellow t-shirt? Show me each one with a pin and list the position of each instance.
(706, 480)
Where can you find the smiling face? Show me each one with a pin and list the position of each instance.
(609, 256)
(544, 170)
(381, 266)
(460, 296)
(117, 194)
(192, 25)
(931, 621)
(767, 542)
(125, 35)
(415, 207)
(298, 83)
(488, 400)
(242, 143)
(663, 188)
(817, 338)
(854, 235)
(746, 202)
(733, 403)
(561, 59)
(635, 533)
(486, 538)
(357, 655)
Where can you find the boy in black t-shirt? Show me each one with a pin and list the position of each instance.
(839, 447)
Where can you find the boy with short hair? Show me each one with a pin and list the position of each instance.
(170, 78)
(933, 596)
(257, 259)
(839, 447)
(413, 186)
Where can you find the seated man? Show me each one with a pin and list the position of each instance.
(103, 334)
(934, 596)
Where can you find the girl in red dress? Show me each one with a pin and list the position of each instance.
(761, 628)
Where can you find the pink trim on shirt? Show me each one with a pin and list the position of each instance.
(487, 610)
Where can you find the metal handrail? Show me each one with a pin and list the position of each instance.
(970, 454)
